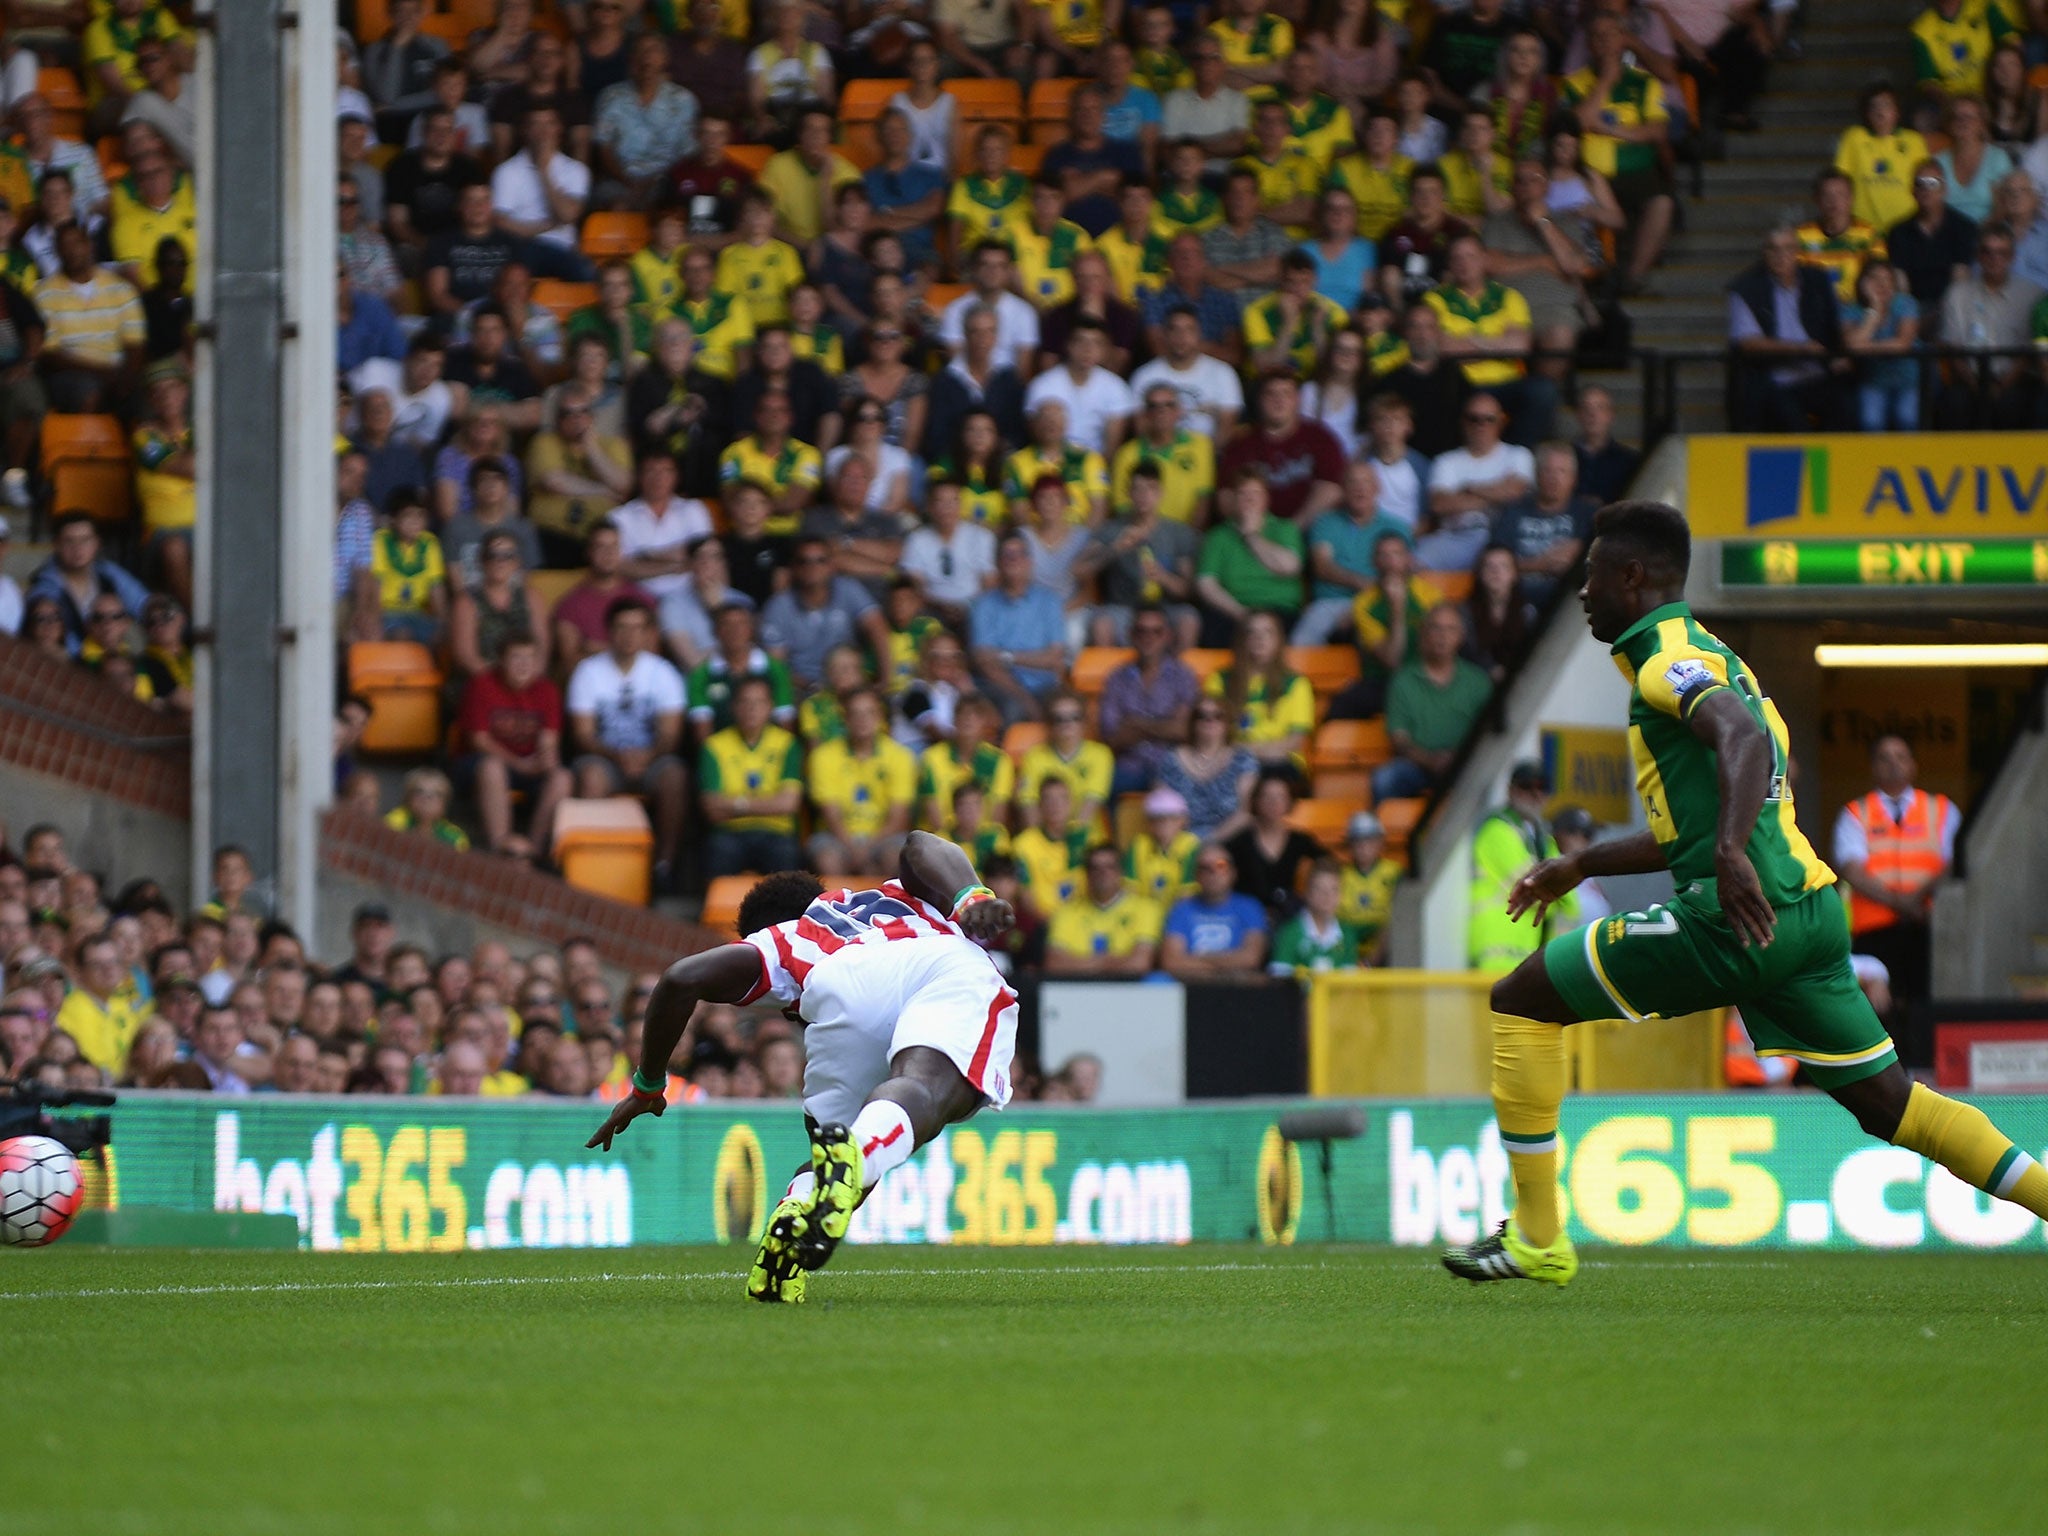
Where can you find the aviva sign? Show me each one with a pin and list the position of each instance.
(1923, 484)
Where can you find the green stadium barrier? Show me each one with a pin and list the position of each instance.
(1699, 1171)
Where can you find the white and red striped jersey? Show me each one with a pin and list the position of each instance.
(886, 914)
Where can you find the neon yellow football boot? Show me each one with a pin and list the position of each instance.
(777, 1275)
(836, 1164)
(1505, 1254)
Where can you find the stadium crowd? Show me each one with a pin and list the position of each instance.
(827, 421)
(104, 989)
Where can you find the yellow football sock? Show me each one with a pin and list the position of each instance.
(1963, 1140)
(1528, 1087)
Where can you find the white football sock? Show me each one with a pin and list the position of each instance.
(883, 1134)
(801, 1186)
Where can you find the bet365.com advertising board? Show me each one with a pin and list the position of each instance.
(1708, 1171)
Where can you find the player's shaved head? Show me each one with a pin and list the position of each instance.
(779, 898)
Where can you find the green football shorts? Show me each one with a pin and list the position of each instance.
(1797, 995)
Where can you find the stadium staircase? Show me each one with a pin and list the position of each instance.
(1980, 948)
(1765, 176)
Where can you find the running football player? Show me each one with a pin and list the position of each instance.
(909, 1028)
(1755, 921)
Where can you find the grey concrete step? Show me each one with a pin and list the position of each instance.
(1812, 144)
(1848, 74)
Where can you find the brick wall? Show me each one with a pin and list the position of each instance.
(56, 720)
(499, 894)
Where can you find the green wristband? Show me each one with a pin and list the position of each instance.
(658, 1089)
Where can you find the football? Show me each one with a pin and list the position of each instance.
(40, 1190)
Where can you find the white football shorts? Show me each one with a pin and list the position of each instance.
(865, 1003)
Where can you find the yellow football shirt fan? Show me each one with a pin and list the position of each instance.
(1952, 54)
(864, 789)
(1262, 323)
(1494, 311)
(1269, 40)
(1187, 473)
(657, 280)
(1087, 773)
(407, 571)
(986, 210)
(1161, 874)
(1636, 98)
(1367, 899)
(795, 466)
(723, 324)
(762, 275)
(137, 229)
(1380, 192)
(1293, 175)
(1080, 927)
(1045, 263)
(1136, 268)
(728, 765)
(1269, 717)
(1050, 865)
(1882, 169)
(104, 1031)
(1192, 213)
(942, 773)
(1320, 126)
(1082, 469)
(1841, 255)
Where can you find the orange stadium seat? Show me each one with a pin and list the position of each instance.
(403, 684)
(752, 156)
(861, 105)
(606, 847)
(722, 898)
(1027, 158)
(1350, 744)
(1129, 820)
(1456, 586)
(606, 235)
(552, 584)
(1205, 664)
(1324, 820)
(86, 460)
(983, 102)
(1049, 100)
(451, 29)
(563, 299)
(373, 20)
(938, 295)
(1022, 737)
(1328, 668)
(59, 87)
(1348, 784)
(1399, 819)
(1093, 666)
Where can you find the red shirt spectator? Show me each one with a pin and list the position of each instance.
(515, 718)
(1303, 460)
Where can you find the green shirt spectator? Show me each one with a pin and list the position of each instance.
(1253, 561)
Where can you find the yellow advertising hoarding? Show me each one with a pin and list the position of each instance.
(1924, 485)
(1590, 766)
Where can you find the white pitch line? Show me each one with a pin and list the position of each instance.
(718, 1277)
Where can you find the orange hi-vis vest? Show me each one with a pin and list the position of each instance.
(1904, 855)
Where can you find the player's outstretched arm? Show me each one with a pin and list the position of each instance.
(722, 975)
(1552, 880)
(938, 874)
(1746, 759)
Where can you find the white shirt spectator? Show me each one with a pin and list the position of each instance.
(1205, 385)
(1016, 327)
(18, 78)
(895, 466)
(1186, 115)
(1459, 536)
(517, 193)
(931, 130)
(954, 570)
(626, 703)
(11, 604)
(88, 186)
(1402, 491)
(419, 421)
(1092, 404)
(643, 531)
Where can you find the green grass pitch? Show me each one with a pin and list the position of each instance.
(1008, 1391)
